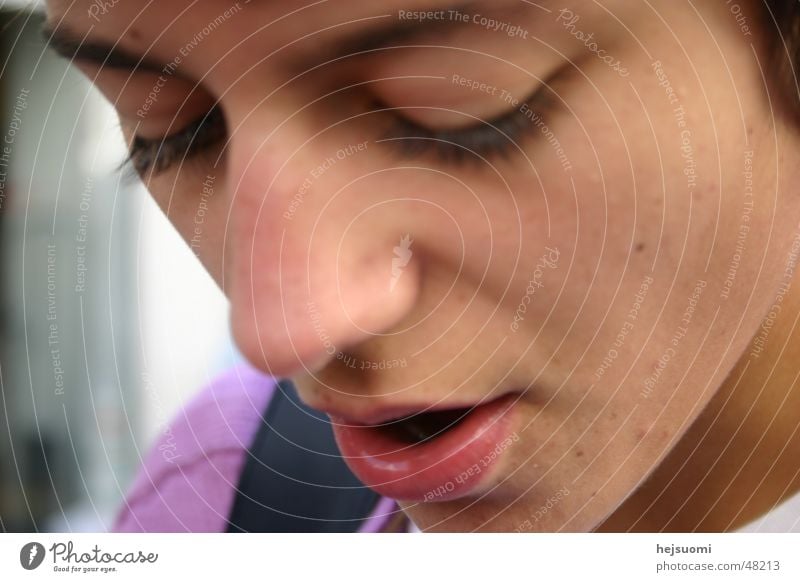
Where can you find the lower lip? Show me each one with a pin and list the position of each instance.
(447, 467)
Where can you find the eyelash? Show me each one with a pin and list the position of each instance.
(489, 139)
(486, 139)
(154, 156)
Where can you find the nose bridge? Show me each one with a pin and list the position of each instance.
(308, 276)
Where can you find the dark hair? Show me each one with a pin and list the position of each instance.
(781, 25)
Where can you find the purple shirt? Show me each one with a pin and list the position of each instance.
(189, 477)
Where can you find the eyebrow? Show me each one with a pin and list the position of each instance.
(71, 46)
(400, 31)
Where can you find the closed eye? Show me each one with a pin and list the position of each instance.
(486, 139)
(153, 156)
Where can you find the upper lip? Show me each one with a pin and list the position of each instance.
(386, 414)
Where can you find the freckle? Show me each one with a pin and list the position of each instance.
(639, 247)
(578, 453)
(640, 434)
(749, 131)
(134, 34)
(613, 416)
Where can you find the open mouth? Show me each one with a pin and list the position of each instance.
(429, 456)
(422, 427)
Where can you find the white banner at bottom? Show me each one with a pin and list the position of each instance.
(399, 557)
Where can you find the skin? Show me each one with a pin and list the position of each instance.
(685, 454)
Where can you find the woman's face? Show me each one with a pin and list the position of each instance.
(568, 218)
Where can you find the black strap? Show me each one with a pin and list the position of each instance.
(294, 479)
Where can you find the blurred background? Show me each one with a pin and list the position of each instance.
(107, 321)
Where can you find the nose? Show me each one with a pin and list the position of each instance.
(319, 255)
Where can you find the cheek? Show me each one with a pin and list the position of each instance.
(197, 205)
